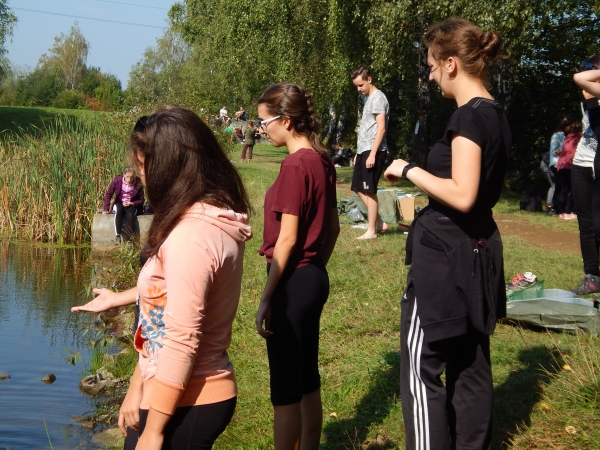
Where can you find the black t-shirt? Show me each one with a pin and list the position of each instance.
(482, 121)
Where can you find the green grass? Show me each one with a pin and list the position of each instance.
(359, 359)
(536, 397)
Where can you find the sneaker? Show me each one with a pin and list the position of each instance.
(118, 239)
(589, 285)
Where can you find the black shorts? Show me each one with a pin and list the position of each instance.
(365, 180)
(190, 427)
(293, 348)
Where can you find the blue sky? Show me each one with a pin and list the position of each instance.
(114, 47)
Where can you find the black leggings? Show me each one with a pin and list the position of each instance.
(563, 200)
(293, 348)
(191, 427)
(129, 213)
(586, 194)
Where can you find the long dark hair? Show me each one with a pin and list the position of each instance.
(287, 99)
(183, 164)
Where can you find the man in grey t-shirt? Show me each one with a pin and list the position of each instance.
(371, 149)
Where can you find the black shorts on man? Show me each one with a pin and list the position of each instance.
(365, 180)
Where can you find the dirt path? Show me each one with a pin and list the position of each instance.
(563, 241)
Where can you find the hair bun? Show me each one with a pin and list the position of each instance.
(491, 45)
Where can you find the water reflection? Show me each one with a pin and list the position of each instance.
(38, 286)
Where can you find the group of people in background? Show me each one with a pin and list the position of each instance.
(183, 392)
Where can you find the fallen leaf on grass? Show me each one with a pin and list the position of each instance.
(567, 367)
(570, 429)
(333, 415)
(544, 405)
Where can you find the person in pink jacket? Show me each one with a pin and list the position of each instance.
(182, 394)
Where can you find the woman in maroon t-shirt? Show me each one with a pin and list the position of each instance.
(300, 231)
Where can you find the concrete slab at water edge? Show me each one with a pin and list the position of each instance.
(103, 231)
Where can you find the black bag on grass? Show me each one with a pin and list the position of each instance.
(531, 200)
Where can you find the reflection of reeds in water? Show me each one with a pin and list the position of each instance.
(54, 280)
(52, 182)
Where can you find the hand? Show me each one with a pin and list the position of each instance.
(150, 441)
(394, 170)
(264, 316)
(370, 163)
(130, 409)
(104, 300)
(104, 212)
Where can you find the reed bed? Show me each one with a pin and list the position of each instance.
(52, 181)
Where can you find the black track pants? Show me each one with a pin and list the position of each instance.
(438, 416)
(586, 193)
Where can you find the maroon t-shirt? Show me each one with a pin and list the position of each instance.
(305, 187)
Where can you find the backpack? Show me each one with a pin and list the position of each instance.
(531, 200)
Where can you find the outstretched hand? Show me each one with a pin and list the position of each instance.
(104, 301)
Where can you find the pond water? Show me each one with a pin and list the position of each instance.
(38, 286)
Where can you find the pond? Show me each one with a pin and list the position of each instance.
(38, 286)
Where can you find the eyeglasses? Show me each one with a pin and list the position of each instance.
(264, 123)
(585, 65)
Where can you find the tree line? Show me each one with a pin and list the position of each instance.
(62, 79)
(238, 47)
(218, 52)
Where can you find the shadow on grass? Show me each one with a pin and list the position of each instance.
(372, 409)
(16, 121)
(515, 399)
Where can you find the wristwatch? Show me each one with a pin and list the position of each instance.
(407, 168)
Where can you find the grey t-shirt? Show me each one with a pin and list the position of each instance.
(376, 104)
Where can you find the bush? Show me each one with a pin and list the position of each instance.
(69, 99)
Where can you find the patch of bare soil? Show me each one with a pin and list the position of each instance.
(561, 241)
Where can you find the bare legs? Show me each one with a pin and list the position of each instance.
(375, 223)
(298, 426)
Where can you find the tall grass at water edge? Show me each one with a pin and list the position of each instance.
(53, 181)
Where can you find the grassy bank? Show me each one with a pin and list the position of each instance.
(52, 182)
(15, 120)
(546, 385)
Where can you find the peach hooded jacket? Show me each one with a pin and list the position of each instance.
(188, 296)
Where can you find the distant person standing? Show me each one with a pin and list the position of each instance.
(563, 198)
(584, 177)
(371, 149)
(549, 169)
(249, 141)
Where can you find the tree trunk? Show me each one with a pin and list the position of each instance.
(422, 132)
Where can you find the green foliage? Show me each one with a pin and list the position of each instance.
(239, 47)
(7, 23)
(39, 88)
(69, 99)
(62, 79)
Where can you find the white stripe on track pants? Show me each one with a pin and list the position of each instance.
(438, 416)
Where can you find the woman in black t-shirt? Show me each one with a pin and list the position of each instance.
(455, 288)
